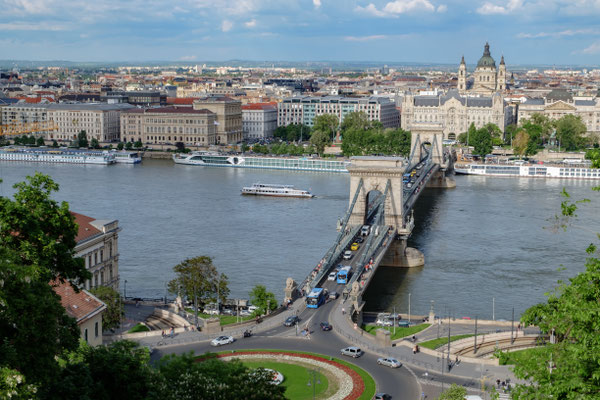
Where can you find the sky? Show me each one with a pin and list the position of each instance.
(526, 32)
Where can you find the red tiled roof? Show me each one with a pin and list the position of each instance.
(181, 100)
(86, 230)
(260, 106)
(80, 306)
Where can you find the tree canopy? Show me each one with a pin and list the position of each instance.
(570, 131)
(326, 123)
(481, 141)
(262, 299)
(111, 318)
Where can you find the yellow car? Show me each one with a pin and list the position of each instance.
(354, 246)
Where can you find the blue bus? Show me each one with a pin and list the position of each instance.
(344, 274)
(315, 298)
(406, 178)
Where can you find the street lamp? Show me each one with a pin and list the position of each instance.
(314, 381)
(409, 309)
(125, 290)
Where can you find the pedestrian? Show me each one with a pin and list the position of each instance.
(163, 333)
(415, 350)
(414, 338)
(456, 361)
(343, 311)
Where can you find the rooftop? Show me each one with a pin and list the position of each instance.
(82, 305)
(168, 110)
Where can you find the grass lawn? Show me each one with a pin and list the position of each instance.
(435, 343)
(400, 332)
(138, 328)
(515, 357)
(295, 380)
(225, 319)
(369, 382)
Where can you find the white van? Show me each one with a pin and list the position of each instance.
(364, 231)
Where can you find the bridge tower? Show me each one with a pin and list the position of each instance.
(375, 173)
(430, 136)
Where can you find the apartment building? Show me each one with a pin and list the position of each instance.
(99, 121)
(228, 117)
(169, 125)
(452, 113)
(97, 244)
(303, 109)
(259, 120)
(24, 116)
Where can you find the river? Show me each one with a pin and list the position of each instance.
(490, 238)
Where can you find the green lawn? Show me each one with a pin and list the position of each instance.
(225, 319)
(296, 379)
(369, 382)
(515, 357)
(138, 328)
(435, 343)
(400, 332)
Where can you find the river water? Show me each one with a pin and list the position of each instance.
(490, 238)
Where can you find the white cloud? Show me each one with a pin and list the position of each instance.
(226, 25)
(594, 48)
(364, 38)
(250, 24)
(370, 9)
(397, 7)
(565, 33)
(490, 8)
(188, 58)
(317, 3)
(442, 8)
(31, 26)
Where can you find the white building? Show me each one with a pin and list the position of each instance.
(303, 109)
(259, 120)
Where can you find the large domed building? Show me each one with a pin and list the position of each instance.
(487, 79)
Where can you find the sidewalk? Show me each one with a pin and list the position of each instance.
(429, 367)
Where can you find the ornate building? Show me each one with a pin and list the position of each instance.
(487, 79)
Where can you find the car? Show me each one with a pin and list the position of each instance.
(229, 311)
(403, 324)
(354, 246)
(325, 326)
(352, 351)
(252, 308)
(331, 276)
(348, 255)
(385, 322)
(409, 185)
(291, 320)
(333, 295)
(337, 269)
(245, 313)
(221, 340)
(364, 231)
(359, 239)
(389, 362)
(382, 396)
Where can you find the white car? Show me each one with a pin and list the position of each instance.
(348, 255)
(389, 362)
(332, 276)
(221, 340)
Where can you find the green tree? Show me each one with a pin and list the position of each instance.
(54, 144)
(82, 139)
(180, 146)
(320, 139)
(481, 141)
(455, 392)
(546, 126)
(111, 318)
(510, 132)
(31, 140)
(327, 123)
(280, 132)
(355, 120)
(470, 133)
(199, 281)
(17, 141)
(495, 133)
(262, 299)
(13, 386)
(94, 144)
(245, 147)
(138, 144)
(594, 156)
(570, 130)
(120, 146)
(40, 141)
(129, 146)
(520, 142)
(462, 138)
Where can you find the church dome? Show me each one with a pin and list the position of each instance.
(486, 60)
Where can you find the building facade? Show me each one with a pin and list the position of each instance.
(559, 103)
(99, 121)
(228, 117)
(23, 117)
(169, 125)
(487, 79)
(303, 109)
(453, 113)
(97, 244)
(259, 120)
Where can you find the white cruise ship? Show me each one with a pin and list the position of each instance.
(60, 155)
(259, 189)
(127, 157)
(528, 171)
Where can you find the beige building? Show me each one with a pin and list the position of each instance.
(487, 79)
(452, 113)
(87, 310)
(169, 125)
(229, 117)
(99, 121)
(559, 103)
(97, 244)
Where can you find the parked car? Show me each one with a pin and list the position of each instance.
(348, 255)
(352, 351)
(245, 313)
(389, 362)
(291, 320)
(221, 340)
(382, 396)
(325, 326)
(403, 324)
(331, 276)
(229, 311)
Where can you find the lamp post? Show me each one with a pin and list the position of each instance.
(314, 381)
(493, 308)
(125, 290)
(409, 309)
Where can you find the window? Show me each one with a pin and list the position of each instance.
(96, 329)
(89, 260)
(109, 249)
(85, 335)
(95, 258)
(101, 255)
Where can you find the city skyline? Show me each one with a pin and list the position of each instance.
(420, 31)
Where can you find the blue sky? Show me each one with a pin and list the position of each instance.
(558, 32)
